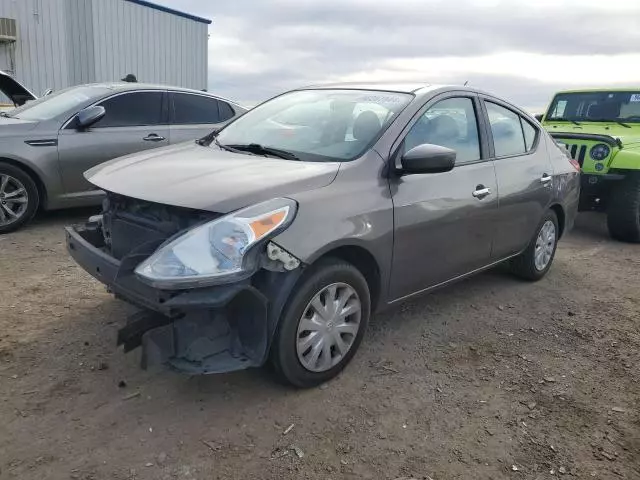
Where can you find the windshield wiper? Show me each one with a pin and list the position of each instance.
(622, 123)
(258, 149)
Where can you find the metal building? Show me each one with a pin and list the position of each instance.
(58, 43)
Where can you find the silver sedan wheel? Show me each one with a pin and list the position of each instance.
(14, 199)
(328, 327)
(545, 244)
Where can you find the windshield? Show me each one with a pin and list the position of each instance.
(596, 107)
(46, 108)
(317, 125)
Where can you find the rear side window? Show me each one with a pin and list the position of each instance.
(506, 129)
(195, 109)
(226, 112)
(530, 134)
(132, 110)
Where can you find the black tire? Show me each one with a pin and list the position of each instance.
(524, 265)
(623, 212)
(33, 199)
(283, 355)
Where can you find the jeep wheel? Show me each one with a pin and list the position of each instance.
(322, 325)
(18, 198)
(623, 213)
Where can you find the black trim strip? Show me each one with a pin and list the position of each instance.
(614, 142)
(45, 142)
(583, 152)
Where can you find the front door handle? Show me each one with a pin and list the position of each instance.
(481, 191)
(153, 137)
(546, 178)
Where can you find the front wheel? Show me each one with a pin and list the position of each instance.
(536, 260)
(322, 325)
(623, 213)
(18, 198)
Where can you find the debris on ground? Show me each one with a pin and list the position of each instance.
(132, 395)
(288, 429)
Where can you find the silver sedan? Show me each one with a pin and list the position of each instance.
(47, 144)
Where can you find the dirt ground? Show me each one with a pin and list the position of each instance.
(491, 378)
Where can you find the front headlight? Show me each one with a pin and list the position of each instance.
(220, 251)
(599, 152)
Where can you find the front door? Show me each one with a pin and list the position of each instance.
(444, 222)
(134, 121)
(524, 176)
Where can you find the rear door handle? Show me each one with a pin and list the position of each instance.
(481, 191)
(546, 178)
(153, 137)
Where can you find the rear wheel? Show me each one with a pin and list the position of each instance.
(536, 260)
(322, 325)
(623, 212)
(18, 198)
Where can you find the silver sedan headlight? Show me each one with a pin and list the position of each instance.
(221, 251)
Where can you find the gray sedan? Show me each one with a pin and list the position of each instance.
(47, 144)
(277, 239)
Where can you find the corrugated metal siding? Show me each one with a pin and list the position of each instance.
(80, 41)
(40, 53)
(155, 46)
(69, 42)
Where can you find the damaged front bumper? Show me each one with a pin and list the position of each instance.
(204, 330)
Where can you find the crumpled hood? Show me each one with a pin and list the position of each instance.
(630, 137)
(208, 178)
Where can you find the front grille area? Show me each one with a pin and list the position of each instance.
(129, 223)
(577, 152)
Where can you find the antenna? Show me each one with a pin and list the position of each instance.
(465, 83)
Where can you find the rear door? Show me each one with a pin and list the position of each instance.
(524, 176)
(134, 121)
(193, 116)
(444, 222)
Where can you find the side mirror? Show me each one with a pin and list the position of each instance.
(89, 116)
(48, 91)
(539, 117)
(427, 158)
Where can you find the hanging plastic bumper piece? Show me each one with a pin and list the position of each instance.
(210, 329)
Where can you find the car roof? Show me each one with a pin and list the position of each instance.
(133, 86)
(400, 87)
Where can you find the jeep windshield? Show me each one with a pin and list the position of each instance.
(315, 125)
(621, 107)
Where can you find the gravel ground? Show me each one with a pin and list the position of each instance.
(491, 378)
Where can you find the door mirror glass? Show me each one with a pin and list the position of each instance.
(427, 158)
(89, 116)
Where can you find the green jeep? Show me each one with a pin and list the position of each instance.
(601, 131)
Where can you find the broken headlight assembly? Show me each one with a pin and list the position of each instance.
(221, 251)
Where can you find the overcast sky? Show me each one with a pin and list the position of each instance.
(523, 50)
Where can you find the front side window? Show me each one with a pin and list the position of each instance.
(318, 125)
(450, 123)
(195, 109)
(506, 129)
(132, 110)
(623, 106)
